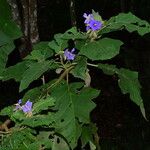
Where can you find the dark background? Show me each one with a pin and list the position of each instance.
(119, 121)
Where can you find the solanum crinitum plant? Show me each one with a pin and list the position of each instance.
(56, 115)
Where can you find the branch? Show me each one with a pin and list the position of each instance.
(4, 126)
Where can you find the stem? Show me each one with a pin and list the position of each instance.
(61, 77)
(4, 126)
(67, 78)
(5, 132)
(61, 60)
(93, 65)
(43, 80)
(96, 137)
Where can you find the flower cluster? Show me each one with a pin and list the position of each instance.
(26, 108)
(91, 23)
(69, 54)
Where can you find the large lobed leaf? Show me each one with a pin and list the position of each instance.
(5, 50)
(72, 106)
(80, 69)
(38, 121)
(4, 39)
(58, 44)
(43, 104)
(15, 72)
(55, 143)
(74, 34)
(60, 41)
(7, 25)
(8, 32)
(88, 132)
(34, 71)
(18, 140)
(5, 10)
(9, 28)
(128, 21)
(41, 51)
(7, 111)
(102, 49)
(128, 83)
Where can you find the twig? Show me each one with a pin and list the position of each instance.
(4, 126)
(93, 65)
(43, 80)
(61, 77)
(96, 138)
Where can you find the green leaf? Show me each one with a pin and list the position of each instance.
(43, 104)
(83, 100)
(34, 146)
(108, 69)
(17, 116)
(32, 94)
(18, 139)
(5, 50)
(79, 44)
(7, 111)
(34, 72)
(60, 41)
(38, 120)
(63, 43)
(92, 146)
(36, 55)
(8, 32)
(44, 139)
(103, 49)
(53, 45)
(10, 28)
(41, 51)
(74, 34)
(88, 132)
(54, 143)
(80, 69)
(5, 10)
(15, 72)
(36, 93)
(128, 21)
(4, 39)
(72, 105)
(61, 145)
(97, 16)
(58, 44)
(128, 83)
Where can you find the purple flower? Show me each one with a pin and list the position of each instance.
(91, 23)
(95, 25)
(88, 18)
(18, 105)
(87, 28)
(27, 107)
(19, 101)
(69, 55)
